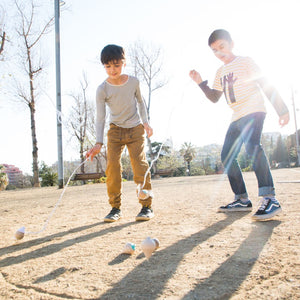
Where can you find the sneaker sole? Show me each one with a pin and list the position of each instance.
(241, 209)
(110, 220)
(267, 216)
(143, 218)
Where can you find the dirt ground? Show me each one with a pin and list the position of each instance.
(202, 255)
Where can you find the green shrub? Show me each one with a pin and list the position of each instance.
(11, 187)
(49, 178)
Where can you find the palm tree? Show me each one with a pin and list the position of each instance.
(188, 152)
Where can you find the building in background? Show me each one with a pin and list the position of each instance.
(15, 175)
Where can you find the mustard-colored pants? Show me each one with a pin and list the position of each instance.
(134, 139)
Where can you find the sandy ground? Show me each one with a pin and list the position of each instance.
(202, 254)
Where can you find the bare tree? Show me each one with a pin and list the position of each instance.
(2, 41)
(2, 31)
(147, 66)
(101, 158)
(30, 31)
(82, 120)
(79, 117)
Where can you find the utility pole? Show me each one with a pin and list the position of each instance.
(58, 97)
(296, 128)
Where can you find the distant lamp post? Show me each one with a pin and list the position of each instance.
(60, 162)
(296, 128)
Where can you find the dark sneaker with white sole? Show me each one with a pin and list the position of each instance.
(113, 216)
(145, 214)
(269, 207)
(237, 205)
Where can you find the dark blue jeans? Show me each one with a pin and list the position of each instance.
(247, 130)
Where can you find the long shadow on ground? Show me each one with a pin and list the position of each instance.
(226, 279)
(39, 241)
(56, 247)
(152, 275)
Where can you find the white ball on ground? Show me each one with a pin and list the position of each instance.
(20, 233)
(129, 248)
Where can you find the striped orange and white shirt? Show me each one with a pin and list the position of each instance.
(237, 80)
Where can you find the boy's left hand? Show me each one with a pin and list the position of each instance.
(148, 129)
(284, 119)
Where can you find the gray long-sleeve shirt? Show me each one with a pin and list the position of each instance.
(126, 106)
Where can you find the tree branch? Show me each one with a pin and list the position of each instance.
(2, 42)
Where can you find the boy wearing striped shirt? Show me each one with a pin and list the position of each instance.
(241, 82)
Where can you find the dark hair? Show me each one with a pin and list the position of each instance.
(112, 53)
(219, 34)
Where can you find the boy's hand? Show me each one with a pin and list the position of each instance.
(284, 119)
(148, 129)
(195, 76)
(93, 151)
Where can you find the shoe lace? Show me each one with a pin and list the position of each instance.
(235, 201)
(114, 211)
(144, 209)
(263, 203)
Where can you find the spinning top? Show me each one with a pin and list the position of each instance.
(20, 233)
(129, 248)
(149, 245)
(156, 241)
(142, 194)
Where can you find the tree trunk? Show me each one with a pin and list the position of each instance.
(35, 165)
(82, 158)
(99, 167)
(2, 43)
(151, 155)
(35, 160)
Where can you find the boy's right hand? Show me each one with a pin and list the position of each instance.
(93, 151)
(283, 120)
(196, 76)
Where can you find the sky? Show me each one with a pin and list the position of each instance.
(266, 30)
